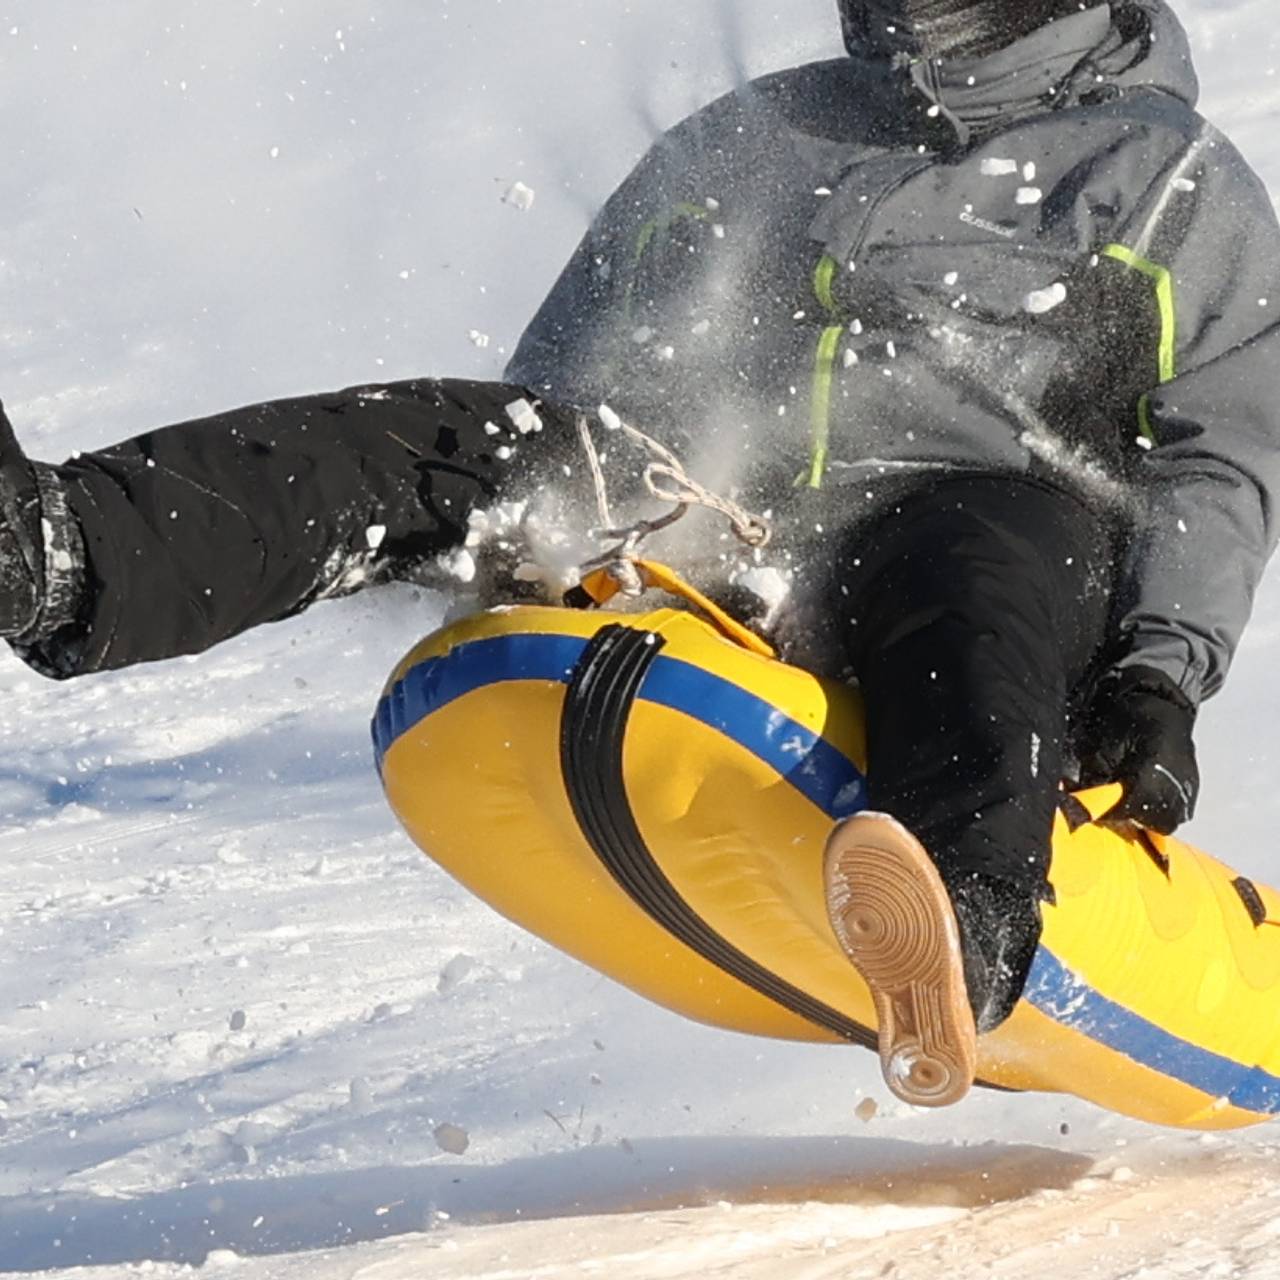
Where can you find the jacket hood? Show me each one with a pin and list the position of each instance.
(1094, 55)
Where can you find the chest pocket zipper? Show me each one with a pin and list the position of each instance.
(823, 374)
(829, 339)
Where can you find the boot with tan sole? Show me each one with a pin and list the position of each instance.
(893, 917)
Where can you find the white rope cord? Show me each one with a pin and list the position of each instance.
(750, 529)
(597, 473)
(667, 481)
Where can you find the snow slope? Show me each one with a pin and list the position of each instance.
(242, 1022)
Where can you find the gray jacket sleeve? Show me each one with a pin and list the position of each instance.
(1206, 236)
(575, 348)
(558, 354)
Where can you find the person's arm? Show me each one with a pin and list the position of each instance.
(571, 345)
(586, 345)
(1208, 242)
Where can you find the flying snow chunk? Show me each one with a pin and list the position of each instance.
(1041, 301)
(490, 524)
(1183, 184)
(459, 565)
(995, 168)
(524, 417)
(451, 1138)
(608, 418)
(478, 339)
(766, 583)
(456, 971)
(1029, 171)
(518, 196)
(374, 535)
(849, 799)
(1029, 195)
(951, 278)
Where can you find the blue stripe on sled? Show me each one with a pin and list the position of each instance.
(811, 764)
(826, 777)
(1065, 998)
(832, 782)
(436, 682)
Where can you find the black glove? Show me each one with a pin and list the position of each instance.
(1138, 732)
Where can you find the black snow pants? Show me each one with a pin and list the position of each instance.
(980, 611)
(196, 532)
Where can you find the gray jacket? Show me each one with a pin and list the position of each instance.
(1043, 261)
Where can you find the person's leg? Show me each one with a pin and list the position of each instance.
(979, 610)
(193, 533)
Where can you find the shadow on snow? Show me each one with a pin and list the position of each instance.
(284, 1214)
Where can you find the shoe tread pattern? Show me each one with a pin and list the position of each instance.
(893, 919)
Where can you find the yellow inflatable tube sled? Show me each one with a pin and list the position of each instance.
(652, 794)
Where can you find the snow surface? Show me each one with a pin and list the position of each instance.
(243, 1023)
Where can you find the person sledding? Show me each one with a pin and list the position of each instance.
(983, 312)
